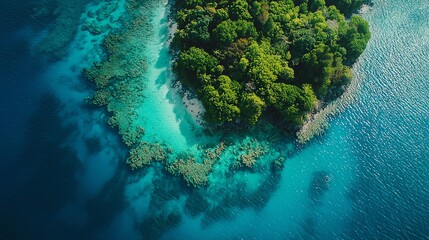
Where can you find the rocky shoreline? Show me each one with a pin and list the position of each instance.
(318, 121)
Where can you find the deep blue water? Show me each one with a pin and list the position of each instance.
(20, 89)
(63, 175)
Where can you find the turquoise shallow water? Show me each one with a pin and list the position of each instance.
(375, 153)
(164, 117)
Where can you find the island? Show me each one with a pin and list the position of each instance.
(256, 67)
(279, 59)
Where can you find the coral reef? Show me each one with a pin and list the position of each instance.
(67, 16)
(252, 153)
(119, 79)
(248, 151)
(94, 28)
(279, 163)
(144, 153)
(196, 173)
(319, 186)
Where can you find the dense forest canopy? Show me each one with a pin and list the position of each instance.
(246, 57)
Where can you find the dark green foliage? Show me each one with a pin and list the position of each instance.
(225, 33)
(195, 61)
(347, 6)
(252, 107)
(239, 10)
(355, 37)
(248, 56)
(303, 41)
(221, 100)
(229, 31)
(290, 101)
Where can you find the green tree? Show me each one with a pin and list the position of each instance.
(348, 7)
(319, 68)
(354, 37)
(220, 16)
(289, 101)
(310, 99)
(317, 5)
(251, 108)
(264, 67)
(303, 41)
(195, 61)
(221, 102)
(239, 10)
(225, 33)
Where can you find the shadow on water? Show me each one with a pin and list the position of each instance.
(44, 177)
(319, 185)
(309, 226)
(163, 59)
(163, 212)
(239, 197)
(106, 205)
(93, 145)
(167, 208)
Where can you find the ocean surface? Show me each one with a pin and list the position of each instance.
(63, 173)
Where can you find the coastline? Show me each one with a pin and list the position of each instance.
(192, 104)
(366, 8)
(318, 121)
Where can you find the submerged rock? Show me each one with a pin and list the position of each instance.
(319, 186)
